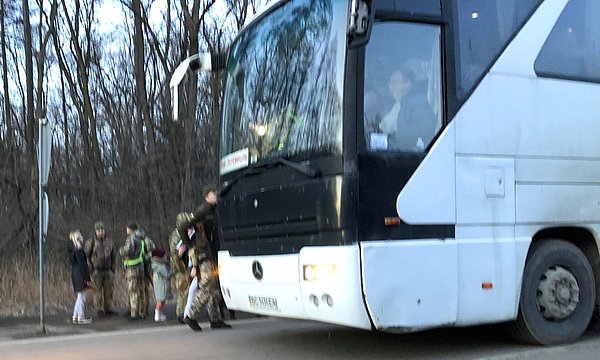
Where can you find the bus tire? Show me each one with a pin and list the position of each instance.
(557, 294)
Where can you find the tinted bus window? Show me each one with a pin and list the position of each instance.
(484, 29)
(572, 51)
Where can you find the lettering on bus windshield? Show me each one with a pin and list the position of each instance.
(234, 161)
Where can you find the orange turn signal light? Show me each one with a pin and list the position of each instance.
(487, 285)
(391, 221)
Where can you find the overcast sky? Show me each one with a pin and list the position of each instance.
(111, 13)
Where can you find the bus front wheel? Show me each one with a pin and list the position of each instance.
(557, 294)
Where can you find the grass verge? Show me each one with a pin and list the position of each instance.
(20, 288)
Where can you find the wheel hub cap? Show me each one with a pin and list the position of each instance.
(558, 293)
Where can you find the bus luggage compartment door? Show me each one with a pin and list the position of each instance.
(410, 285)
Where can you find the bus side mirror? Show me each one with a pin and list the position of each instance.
(360, 22)
(194, 63)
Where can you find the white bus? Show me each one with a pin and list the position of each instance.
(400, 165)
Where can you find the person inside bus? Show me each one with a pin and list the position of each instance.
(410, 123)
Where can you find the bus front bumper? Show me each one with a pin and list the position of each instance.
(318, 283)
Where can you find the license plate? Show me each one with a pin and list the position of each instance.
(263, 302)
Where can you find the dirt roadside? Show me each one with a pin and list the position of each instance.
(16, 328)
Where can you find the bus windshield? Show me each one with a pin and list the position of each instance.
(284, 86)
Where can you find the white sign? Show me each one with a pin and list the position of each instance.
(234, 161)
(45, 215)
(379, 141)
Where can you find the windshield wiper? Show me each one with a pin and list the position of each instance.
(226, 186)
(301, 168)
(305, 170)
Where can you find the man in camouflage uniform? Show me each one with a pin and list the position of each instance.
(149, 245)
(179, 262)
(134, 255)
(208, 294)
(100, 252)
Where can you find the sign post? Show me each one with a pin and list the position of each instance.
(44, 155)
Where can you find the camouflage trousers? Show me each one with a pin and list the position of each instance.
(145, 299)
(102, 289)
(135, 289)
(182, 284)
(208, 293)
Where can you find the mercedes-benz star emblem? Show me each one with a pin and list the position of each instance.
(257, 270)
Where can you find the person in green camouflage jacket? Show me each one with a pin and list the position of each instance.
(100, 252)
(179, 263)
(208, 294)
(134, 258)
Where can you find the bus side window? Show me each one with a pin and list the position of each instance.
(402, 95)
(572, 50)
(484, 28)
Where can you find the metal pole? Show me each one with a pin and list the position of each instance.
(41, 226)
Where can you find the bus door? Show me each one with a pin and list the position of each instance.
(409, 271)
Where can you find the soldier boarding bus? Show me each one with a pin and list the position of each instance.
(400, 165)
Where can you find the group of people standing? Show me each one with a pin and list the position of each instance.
(193, 246)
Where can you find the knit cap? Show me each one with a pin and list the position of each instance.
(207, 189)
(158, 252)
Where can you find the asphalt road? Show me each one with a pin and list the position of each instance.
(266, 338)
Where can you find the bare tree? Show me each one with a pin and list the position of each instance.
(43, 38)
(29, 106)
(7, 107)
(23, 164)
(76, 65)
(118, 155)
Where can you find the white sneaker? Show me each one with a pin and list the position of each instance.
(84, 320)
(159, 317)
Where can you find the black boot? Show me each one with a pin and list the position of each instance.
(219, 325)
(180, 319)
(193, 324)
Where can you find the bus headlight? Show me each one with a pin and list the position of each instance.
(318, 272)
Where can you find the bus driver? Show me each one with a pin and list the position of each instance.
(410, 124)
